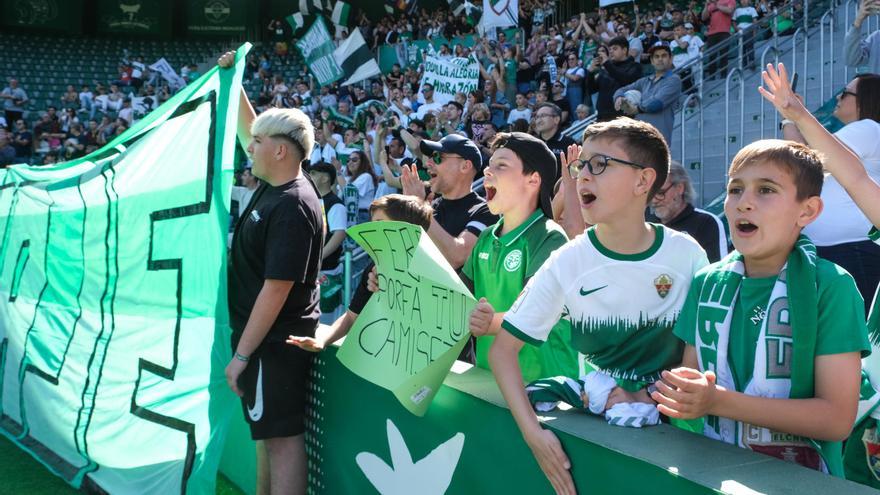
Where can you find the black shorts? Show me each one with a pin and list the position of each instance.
(274, 385)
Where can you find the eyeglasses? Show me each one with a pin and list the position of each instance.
(545, 115)
(596, 167)
(661, 194)
(846, 92)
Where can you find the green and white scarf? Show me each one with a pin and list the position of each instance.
(784, 352)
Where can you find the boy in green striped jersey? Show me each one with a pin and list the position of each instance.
(519, 183)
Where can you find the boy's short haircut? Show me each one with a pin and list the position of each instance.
(800, 162)
(642, 141)
(619, 41)
(457, 105)
(327, 169)
(402, 208)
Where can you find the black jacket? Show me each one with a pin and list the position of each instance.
(608, 79)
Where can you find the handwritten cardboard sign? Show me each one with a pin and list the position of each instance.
(413, 329)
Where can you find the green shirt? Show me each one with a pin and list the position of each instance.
(499, 267)
(840, 326)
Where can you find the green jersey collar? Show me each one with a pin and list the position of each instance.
(510, 237)
(658, 240)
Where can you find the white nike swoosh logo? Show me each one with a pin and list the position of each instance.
(257, 411)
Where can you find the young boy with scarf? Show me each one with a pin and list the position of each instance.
(774, 334)
(862, 450)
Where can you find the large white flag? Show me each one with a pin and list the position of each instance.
(164, 68)
(499, 13)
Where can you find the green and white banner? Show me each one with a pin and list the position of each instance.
(113, 321)
(411, 331)
(316, 48)
(220, 17)
(134, 17)
(361, 440)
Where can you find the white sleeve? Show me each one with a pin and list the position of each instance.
(538, 307)
(364, 184)
(337, 218)
(863, 137)
(238, 193)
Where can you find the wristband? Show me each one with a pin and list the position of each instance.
(240, 357)
(785, 122)
(651, 388)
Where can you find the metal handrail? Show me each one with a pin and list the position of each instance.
(775, 114)
(794, 47)
(699, 105)
(733, 72)
(822, 21)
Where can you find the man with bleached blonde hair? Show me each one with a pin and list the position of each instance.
(273, 291)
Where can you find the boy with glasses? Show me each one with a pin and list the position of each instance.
(622, 283)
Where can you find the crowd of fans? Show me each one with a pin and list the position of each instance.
(80, 120)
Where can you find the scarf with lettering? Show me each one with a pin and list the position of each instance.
(784, 352)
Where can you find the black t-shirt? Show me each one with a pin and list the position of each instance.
(280, 237)
(466, 213)
(362, 294)
(704, 228)
(331, 261)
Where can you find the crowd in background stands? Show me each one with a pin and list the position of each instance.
(83, 119)
(551, 74)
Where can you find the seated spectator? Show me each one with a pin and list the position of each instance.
(359, 172)
(74, 145)
(548, 128)
(70, 98)
(522, 110)
(22, 141)
(7, 150)
(127, 113)
(68, 118)
(87, 101)
(673, 205)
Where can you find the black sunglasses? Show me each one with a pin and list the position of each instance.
(596, 167)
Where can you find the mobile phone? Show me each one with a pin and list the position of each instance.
(794, 81)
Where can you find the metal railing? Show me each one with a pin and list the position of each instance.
(818, 20)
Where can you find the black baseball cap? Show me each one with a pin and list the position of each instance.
(534, 154)
(457, 144)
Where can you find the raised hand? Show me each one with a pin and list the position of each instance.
(573, 152)
(226, 60)
(412, 184)
(779, 93)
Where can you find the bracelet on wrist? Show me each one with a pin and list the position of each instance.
(241, 357)
(785, 122)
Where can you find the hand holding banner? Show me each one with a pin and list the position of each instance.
(413, 329)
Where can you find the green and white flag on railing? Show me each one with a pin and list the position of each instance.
(355, 58)
(113, 321)
(316, 48)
